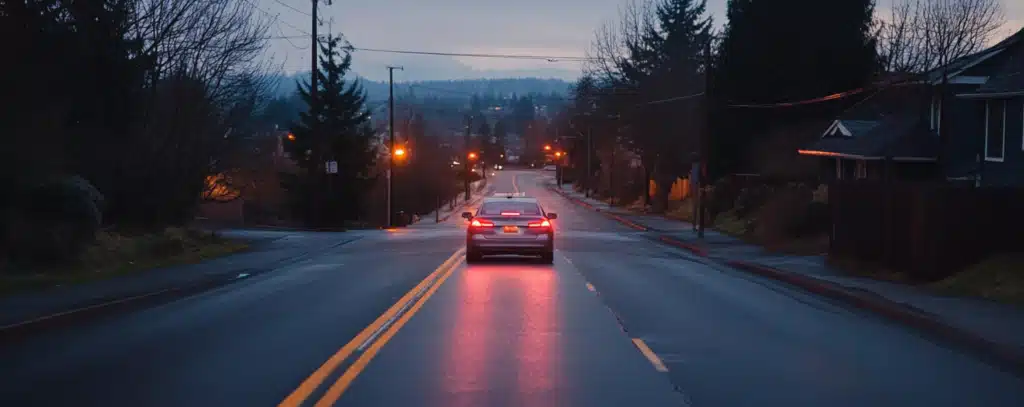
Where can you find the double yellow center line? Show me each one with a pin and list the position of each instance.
(371, 339)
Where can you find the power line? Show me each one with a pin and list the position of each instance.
(827, 98)
(289, 6)
(549, 58)
(674, 99)
(276, 18)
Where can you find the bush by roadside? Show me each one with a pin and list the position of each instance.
(792, 218)
(116, 253)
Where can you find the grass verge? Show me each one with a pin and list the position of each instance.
(117, 254)
(998, 278)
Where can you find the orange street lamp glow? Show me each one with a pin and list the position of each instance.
(472, 156)
(291, 137)
(558, 153)
(547, 147)
(399, 152)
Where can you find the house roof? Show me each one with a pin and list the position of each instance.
(959, 65)
(887, 124)
(1008, 77)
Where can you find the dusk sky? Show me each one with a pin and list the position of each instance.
(535, 27)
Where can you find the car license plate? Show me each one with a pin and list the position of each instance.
(510, 229)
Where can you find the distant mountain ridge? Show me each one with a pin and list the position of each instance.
(378, 91)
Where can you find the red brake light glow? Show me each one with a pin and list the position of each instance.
(510, 214)
(541, 224)
(478, 224)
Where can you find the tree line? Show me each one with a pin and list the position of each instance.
(121, 107)
(660, 77)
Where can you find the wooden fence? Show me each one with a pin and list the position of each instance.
(929, 231)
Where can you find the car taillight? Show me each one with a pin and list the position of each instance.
(541, 224)
(481, 224)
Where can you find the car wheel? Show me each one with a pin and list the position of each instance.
(548, 258)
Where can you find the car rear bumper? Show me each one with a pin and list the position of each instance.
(481, 244)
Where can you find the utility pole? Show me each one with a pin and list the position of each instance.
(705, 139)
(469, 164)
(312, 50)
(590, 132)
(320, 156)
(391, 135)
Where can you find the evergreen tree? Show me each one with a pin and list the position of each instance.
(335, 127)
(770, 54)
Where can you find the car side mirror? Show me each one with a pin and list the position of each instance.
(467, 215)
(552, 215)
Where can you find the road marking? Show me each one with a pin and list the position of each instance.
(308, 386)
(338, 388)
(515, 185)
(591, 287)
(651, 356)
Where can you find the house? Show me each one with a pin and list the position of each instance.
(938, 127)
(998, 107)
(886, 135)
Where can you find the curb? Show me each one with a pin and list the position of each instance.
(127, 303)
(1004, 357)
(697, 250)
(996, 354)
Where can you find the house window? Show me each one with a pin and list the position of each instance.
(861, 172)
(995, 130)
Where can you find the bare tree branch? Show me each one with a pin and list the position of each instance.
(922, 35)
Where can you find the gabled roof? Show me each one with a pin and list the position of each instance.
(1008, 79)
(887, 124)
(958, 66)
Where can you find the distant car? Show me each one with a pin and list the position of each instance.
(510, 224)
(549, 167)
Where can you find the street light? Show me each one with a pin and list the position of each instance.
(291, 136)
(547, 147)
(399, 153)
(472, 156)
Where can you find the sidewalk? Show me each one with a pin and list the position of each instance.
(477, 190)
(997, 330)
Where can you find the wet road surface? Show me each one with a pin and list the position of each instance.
(396, 318)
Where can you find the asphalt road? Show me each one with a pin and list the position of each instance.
(396, 318)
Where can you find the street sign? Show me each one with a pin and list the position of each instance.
(332, 167)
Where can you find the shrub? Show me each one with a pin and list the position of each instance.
(51, 222)
(750, 199)
(783, 212)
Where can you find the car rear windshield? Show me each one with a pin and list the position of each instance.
(522, 208)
